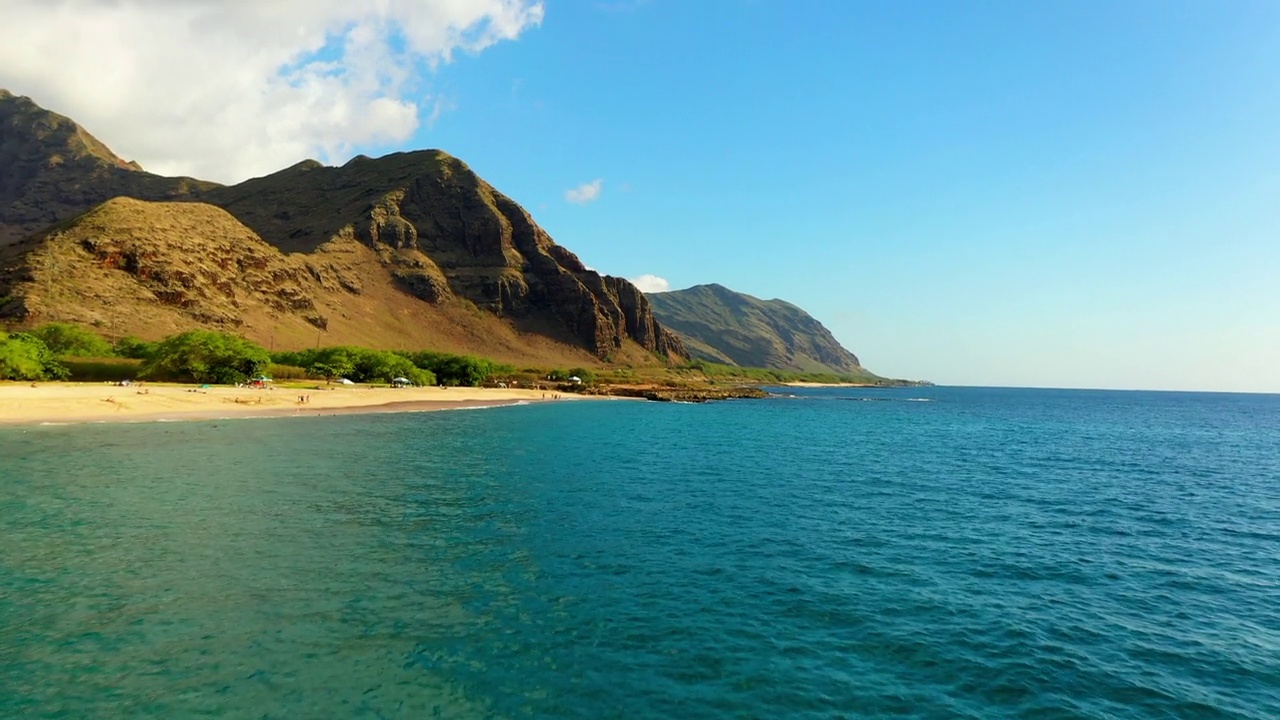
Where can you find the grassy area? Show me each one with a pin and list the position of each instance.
(102, 369)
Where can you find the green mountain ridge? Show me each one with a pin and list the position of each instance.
(724, 326)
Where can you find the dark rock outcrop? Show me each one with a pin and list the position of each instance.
(449, 234)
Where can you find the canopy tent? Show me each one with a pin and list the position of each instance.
(401, 381)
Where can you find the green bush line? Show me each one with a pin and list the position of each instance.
(63, 350)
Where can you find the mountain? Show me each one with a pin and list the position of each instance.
(720, 325)
(410, 250)
(52, 169)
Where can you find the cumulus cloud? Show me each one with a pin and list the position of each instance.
(227, 89)
(585, 193)
(650, 283)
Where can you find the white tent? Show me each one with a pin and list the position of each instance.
(344, 381)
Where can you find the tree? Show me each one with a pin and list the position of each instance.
(455, 369)
(206, 356)
(72, 340)
(25, 357)
(372, 365)
(586, 375)
(333, 369)
(132, 347)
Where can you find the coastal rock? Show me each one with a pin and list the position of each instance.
(723, 326)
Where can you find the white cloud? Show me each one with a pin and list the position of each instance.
(650, 283)
(585, 193)
(226, 89)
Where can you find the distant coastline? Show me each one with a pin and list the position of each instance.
(830, 385)
(892, 384)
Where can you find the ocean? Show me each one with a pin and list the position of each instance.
(836, 553)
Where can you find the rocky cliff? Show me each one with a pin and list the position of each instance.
(720, 325)
(445, 233)
(408, 247)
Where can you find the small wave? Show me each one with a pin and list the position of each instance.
(482, 407)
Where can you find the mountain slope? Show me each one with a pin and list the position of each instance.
(445, 233)
(153, 269)
(410, 250)
(720, 325)
(52, 169)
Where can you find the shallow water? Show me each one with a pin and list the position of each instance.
(840, 553)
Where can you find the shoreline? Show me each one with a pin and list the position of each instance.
(831, 385)
(66, 403)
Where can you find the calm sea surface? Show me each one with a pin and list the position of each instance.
(917, 553)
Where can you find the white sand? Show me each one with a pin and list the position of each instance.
(22, 404)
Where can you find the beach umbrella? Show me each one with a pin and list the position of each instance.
(401, 381)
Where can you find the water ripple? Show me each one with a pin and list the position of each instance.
(988, 554)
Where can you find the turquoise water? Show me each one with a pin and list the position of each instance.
(842, 553)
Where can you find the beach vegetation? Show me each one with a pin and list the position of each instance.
(206, 356)
(103, 369)
(586, 375)
(277, 372)
(332, 369)
(459, 370)
(68, 340)
(24, 356)
(132, 347)
(358, 364)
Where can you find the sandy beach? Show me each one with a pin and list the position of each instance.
(22, 404)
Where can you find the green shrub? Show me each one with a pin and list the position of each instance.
(72, 340)
(132, 347)
(466, 370)
(206, 356)
(586, 375)
(357, 364)
(24, 356)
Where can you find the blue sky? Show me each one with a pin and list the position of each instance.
(1069, 194)
(1077, 194)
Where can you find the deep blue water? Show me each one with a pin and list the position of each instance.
(841, 553)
